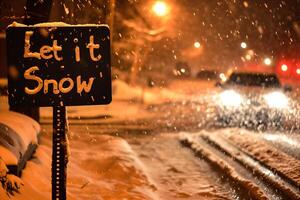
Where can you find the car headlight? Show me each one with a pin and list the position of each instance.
(230, 98)
(276, 100)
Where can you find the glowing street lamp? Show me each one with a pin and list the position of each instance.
(160, 8)
(248, 57)
(267, 61)
(197, 45)
(244, 45)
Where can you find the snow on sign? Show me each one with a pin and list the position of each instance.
(56, 64)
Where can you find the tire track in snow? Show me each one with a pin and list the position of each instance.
(272, 180)
(177, 172)
(246, 187)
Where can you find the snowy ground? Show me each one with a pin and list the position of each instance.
(107, 171)
(136, 166)
(131, 149)
(109, 167)
(176, 172)
(274, 172)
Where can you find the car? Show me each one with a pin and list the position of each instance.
(207, 75)
(256, 100)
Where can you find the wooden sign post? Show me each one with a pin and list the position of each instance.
(58, 65)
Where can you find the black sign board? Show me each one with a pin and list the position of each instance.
(58, 65)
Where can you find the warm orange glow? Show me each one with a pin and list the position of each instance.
(298, 71)
(248, 57)
(267, 61)
(197, 45)
(160, 8)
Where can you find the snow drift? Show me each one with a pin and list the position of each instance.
(100, 167)
(17, 132)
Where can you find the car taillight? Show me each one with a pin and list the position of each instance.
(284, 67)
(297, 70)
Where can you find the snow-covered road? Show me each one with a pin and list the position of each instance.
(177, 173)
(253, 163)
(156, 166)
(139, 153)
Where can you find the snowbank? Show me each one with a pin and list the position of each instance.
(100, 167)
(8, 156)
(17, 131)
(123, 105)
(36, 177)
(123, 91)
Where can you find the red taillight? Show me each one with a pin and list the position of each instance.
(297, 69)
(288, 69)
(284, 67)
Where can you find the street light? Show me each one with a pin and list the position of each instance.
(244, 45)
(267, 61)
(197, 45)
(160, 8)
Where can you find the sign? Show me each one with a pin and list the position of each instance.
(58, 65)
